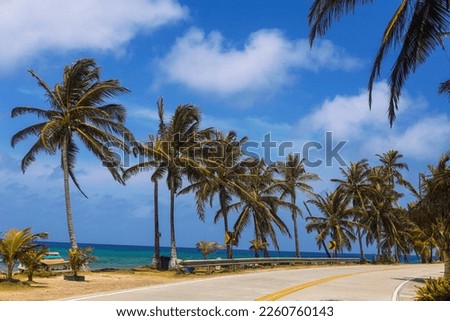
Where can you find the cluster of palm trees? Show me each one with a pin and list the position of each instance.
(213, 166)
(20, 245)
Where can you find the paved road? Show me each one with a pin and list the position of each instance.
(366, 282)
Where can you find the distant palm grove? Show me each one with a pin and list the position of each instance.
(244, 192)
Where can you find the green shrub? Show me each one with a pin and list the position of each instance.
(435, 290)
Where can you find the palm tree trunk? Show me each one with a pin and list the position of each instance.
(156, 261)
(446, 254)
(9, 269)
(361, 249)
(294, 219)
(173, 248)
(65, 166)
(225, 222)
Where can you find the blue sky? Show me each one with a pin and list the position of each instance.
(246, 64)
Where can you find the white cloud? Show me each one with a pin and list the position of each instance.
(206, 63)
(425, 140)
(28, 27)
(349, 118)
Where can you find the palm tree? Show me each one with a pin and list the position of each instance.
(435, 204)
(357, 189)
(15, 244)
(181, 142)
(223, 160)
(155, 155)
(258, 246)
(208, 248)
(391, 164)
(386, 177)
(335, 224)
(260, 203)
(417, 28)
(295, 177)
(31, 259)
(77, 110)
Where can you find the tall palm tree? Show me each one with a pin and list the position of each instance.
(295, 177)
(78, 109)
(357, 190)
(386, 222)
(391, 164)
(336, 223)
(155, 157)
(417, 28)
(15, 244)
(260, 204)
(182, 139)
(435, 203)
(390, 172)
(223, 159)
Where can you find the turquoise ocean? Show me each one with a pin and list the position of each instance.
(132, 256)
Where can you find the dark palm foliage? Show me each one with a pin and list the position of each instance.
(222, 157)
(154, 154)
(181, 142)
(15, 245)
(260, 204)
(294, 177)
(357, 190)
(433, 208)
(78, 109)
(416, 28)
(337, 222)
(386, 223)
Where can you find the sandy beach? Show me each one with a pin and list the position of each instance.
(55, 287)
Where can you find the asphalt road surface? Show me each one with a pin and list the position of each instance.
(358, 282)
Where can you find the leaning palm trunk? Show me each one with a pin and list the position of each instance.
(446, 255)
(225, 222)
(156, 261)
(65, 165)
(361, 249)
(294, 219)
(173, 247)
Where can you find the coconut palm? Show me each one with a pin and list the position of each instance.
(31, 259)
(154, 153)
(78, 109)
(391, 165)
(337, 222)
(225, 167)
(258, 246)
(435, 204)
(208, 248)
(417, 27)
(295, 177)
(15, 244)
(182, 141)
(260, 203)
(357, 189)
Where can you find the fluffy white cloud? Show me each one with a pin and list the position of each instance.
(207, 63)
(28, 26)
(348, 116)
(368, 131)
(424, 140)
